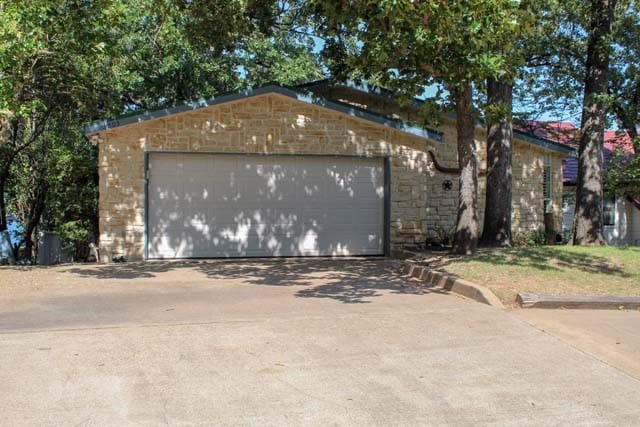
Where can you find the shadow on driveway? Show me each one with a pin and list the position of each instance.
(198, 291)
(349, 281)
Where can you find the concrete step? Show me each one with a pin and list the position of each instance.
(604, 302)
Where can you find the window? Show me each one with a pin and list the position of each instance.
(547, 184)
(609, 210)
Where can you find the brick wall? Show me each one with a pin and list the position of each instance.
(275, 124)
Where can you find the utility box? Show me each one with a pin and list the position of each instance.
(6, 254)
(49, 249)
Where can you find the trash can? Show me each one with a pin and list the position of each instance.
(6, 255)
(49, 248)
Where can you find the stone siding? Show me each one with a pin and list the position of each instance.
(276, 124)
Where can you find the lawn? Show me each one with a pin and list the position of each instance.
(554, 270)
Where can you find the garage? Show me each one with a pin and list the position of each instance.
(245, 205)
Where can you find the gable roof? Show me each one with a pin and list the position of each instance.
(567, 134)
(305, 94)
(306, 97)
(561, 132)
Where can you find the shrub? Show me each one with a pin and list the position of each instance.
(440, 236)
(529, 238)
(76, 236)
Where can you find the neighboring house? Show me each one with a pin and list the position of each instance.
(320, 169)
(621, 214)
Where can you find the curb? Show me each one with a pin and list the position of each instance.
(444, 281)
(603, 302)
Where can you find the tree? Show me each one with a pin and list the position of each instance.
(532, 16)
(588, 219)
(45, 67)
(623, 174)
(153, 62)
(496, 230)
(29, 190)
(54, 187)
(267, 41)
(465, 238)
(282, 48)
(591, 50)
(552, 79)
(407, 45)
(624, 71)
(168, 52)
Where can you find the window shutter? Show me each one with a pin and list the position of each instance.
(547, 188)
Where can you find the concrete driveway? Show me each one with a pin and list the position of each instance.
(313, 342)
(612, 336)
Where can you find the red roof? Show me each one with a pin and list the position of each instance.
(561, 132)
(614, 139)
(567, 134)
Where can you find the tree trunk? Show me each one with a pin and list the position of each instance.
(633, 135)
(35, 214)
(465, 239)
(588, 219)
(5, 165)
(497, 215)
(3, 204)
(12, 142)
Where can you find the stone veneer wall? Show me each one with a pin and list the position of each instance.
(527, 183)
(528, 163)
(275, 124)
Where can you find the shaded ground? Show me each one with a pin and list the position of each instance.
(353, 280)
(313, 342)
(553, 270)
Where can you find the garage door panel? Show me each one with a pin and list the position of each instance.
(195, 164)
(165, 165)
(229, 195)
(363, 212)
(235, 206)
(224, 163)
(196, 194)
(163, 188)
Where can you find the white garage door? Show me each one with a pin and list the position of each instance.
(203, 205)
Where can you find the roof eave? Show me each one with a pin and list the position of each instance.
(377, 91)
(544, 143)
(306, 97)
(102, 125)
(309, 98)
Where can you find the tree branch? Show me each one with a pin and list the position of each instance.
(131, 100)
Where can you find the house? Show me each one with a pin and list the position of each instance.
(621, 214)
(320, 169)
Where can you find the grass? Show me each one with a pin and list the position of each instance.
(553, 270)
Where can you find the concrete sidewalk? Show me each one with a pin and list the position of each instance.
(611, 336)
(271, 343)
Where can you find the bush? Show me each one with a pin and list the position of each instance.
(529, 238)
(76, 236)
(439, 237)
